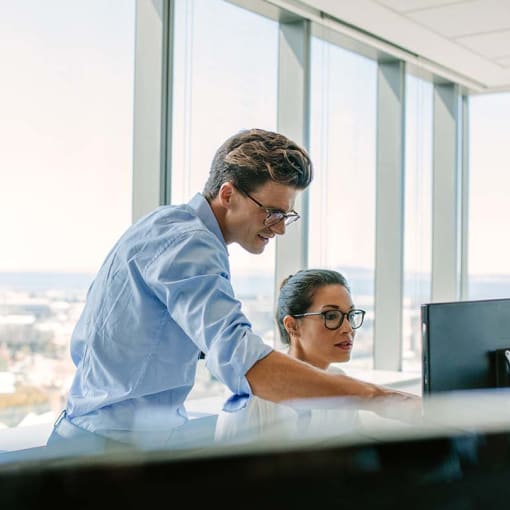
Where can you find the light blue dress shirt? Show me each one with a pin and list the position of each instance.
(162, 295)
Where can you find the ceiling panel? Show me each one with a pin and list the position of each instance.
(411, 5)
(467, 39)
(489, 45)
(504, 62)
(464, 18)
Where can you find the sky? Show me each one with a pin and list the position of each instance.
(66, 108)
(489, 187)
(66, 131)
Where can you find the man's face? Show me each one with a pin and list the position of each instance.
(246, 219)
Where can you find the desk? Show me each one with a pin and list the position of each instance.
(424, 469)
(406, 381)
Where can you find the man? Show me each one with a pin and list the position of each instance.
(163, 295)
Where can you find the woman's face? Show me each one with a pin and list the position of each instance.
(311, 341)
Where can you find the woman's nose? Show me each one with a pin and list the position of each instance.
(346, 325)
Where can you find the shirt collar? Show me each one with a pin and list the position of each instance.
(199, 204)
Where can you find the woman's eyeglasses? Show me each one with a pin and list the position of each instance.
(333, 319)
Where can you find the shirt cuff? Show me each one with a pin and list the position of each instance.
(236, 402)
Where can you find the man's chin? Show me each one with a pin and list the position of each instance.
(254, 249)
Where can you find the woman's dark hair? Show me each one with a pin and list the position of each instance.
(297, 291)
(252, 157)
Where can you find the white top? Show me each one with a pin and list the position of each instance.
(264, 419)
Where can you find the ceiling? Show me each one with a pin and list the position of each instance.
(470, 39)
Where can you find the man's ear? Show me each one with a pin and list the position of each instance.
(225, 194)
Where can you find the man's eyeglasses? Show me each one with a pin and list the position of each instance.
(273, 216)
(333, 319)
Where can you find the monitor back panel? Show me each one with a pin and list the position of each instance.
(458, 341)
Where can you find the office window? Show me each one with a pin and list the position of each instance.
(65, 193)
(418, 216)
(342, 197)
(221, 87)
(489, 189)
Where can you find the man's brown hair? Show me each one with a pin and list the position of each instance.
(252, 157)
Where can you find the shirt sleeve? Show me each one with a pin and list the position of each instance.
(191, 277)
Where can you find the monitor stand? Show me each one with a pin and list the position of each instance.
(502, 367)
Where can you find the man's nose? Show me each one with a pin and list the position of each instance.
(278, 228)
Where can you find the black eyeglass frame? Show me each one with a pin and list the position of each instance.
(290, 217)
(341, 319)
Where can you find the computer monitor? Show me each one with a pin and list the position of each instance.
(465, 345)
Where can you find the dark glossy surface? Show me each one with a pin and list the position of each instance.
(457, 458)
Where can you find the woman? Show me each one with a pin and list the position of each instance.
(317, 321)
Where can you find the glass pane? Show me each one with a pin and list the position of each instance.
(489, 207)
(418, 216)
(342, 196)
(219, 89)
(65, 193)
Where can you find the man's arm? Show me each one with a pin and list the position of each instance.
(279, 377)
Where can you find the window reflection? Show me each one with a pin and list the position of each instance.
(342, 196)
(219, 89)
(418, 216)
(489, 207)
(66, 127)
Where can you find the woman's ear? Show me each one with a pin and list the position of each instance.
(291, 325)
